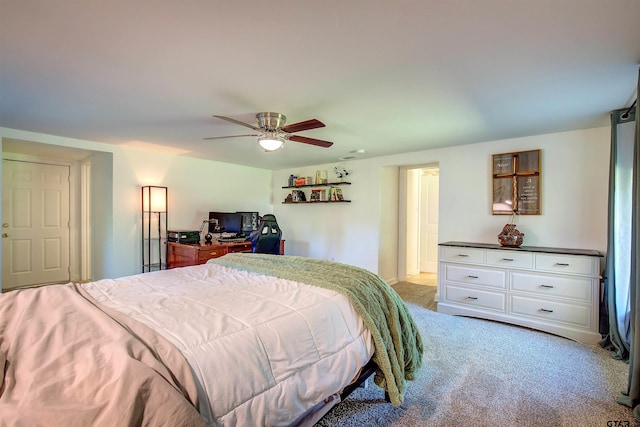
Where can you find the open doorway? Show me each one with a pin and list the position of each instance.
(419, 185)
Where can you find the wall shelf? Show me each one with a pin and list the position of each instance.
(328, 184)
(332, 193)
(316, 201)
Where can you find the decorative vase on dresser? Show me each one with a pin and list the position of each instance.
(550, 289)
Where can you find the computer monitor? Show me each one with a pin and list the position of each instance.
(229, 222)
(250, 222)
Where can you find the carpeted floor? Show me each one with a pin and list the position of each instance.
(482, 373)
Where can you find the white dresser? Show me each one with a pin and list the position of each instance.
(549, 289)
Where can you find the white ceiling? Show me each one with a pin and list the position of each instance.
(384, 76)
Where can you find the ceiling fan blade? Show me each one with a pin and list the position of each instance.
(312, 141)
(300, 126)
(230, 136)
(238, 122)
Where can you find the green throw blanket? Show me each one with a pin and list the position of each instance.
(398, 344)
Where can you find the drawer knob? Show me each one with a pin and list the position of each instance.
(463, 255)
(472, 277)
(546, 311)
(507, 259)
(547, 286)
(562, 264)
(472, 298)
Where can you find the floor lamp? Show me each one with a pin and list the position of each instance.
(154, 215)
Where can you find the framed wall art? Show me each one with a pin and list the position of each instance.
(517, 183)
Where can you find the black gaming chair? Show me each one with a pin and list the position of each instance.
(266, 239)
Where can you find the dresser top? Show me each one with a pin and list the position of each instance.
(564, 251)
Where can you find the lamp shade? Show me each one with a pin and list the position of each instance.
(154, 199)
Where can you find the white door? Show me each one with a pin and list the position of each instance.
(429, 186)
(35, 223)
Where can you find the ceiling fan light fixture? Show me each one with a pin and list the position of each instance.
(272, 133)
(270, 143)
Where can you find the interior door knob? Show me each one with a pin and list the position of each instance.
(5, 225)
(5, 235)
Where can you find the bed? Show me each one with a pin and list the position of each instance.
(246, 339)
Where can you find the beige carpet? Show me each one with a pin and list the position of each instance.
(483, 373)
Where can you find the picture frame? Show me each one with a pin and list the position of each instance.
(516, 179)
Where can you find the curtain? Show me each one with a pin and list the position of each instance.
(616, 303)
(631, 396)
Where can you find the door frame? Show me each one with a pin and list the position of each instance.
(79, 211)
(403, 211)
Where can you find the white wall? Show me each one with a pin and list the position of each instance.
(388, 209)
(574, 200)
(195, 187)
(575, 168)
(343, 232)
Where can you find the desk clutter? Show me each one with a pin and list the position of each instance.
(183, 236)
(227, 232)
(231, 239)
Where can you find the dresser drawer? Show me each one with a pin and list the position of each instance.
(473, 297)
(574, 314)
(564, 264)
(475, 276)
(510, 259)
(578, 288)
(466, 255)
(208, 253)
(245, 247)
(551, 289)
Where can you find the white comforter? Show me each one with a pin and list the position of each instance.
(264, 350)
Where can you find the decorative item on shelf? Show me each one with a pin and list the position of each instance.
(340, 172)
(321, 177)
(315, 195)
(510, 236)
(298, 196)
(318, 177)
(289, 198)
(335, 194)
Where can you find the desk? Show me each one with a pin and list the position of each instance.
(183, 255)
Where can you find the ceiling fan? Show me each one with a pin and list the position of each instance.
(272, 133)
